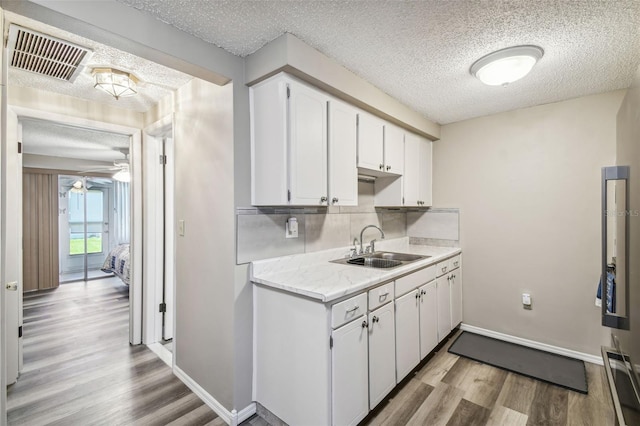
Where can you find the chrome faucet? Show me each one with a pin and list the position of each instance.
(362, 232)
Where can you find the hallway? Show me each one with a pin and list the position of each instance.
(79, 368)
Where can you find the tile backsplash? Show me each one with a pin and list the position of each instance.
(261, 232)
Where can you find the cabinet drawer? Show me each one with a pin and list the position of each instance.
(455, 262)
(343, 312)
(442, 268)
(415, 280)
(381, 295)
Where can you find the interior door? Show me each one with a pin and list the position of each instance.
(12, 249)
(169, 235)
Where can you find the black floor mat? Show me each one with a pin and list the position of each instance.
(551, 368)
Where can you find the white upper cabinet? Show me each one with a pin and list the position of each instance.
(393, 149)
(370, 142)
(288, 143)
(308, 145)
(417, 175)
(414, 187)
(343, 173)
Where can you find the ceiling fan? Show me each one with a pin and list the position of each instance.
(120, 167)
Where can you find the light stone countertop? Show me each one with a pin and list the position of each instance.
(315, 276)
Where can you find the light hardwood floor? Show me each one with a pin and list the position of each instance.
(451, 390)
(454, 391)
(79, 368)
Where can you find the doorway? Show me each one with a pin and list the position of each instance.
(89, 219)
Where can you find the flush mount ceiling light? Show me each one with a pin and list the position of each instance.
(77, 186)
(507, 65)
(115, 82)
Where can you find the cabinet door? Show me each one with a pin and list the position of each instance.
(308, 145)
(407, 334)
(370, 142)
(393, 149)
(382, 353)
(349, 373)
(456, 297)
(425, 172)
(343, 173)
(428, 318)
(411, 175)
(444, 306)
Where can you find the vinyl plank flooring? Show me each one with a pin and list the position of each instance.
(549, 406)
(403, 405)
(80, 369)
(502, 416)
(482, 384)
(438, 408)
(517, 393)
(469, 414)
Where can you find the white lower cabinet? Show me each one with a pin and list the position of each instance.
(331, 363)
(382, 354)
(407, 333)
(428, 318)
(349, 374)
(444, 306)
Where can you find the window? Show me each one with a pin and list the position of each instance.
(95, 220)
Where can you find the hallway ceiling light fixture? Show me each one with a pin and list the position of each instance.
(115, 82)
(505, 66)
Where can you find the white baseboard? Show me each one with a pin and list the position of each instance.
(163, 353)
(594, 359)
(232, 417)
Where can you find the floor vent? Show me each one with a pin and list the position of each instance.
(45, 55)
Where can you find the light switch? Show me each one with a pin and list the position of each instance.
(526, 300)
(181, 228)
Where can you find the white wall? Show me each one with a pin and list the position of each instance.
(527, 183)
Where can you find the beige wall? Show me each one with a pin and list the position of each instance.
(205, 265)
(527, 183)
(628, 154)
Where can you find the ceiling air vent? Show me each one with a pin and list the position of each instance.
(45, 55)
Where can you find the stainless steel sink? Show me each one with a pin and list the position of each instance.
(382, 259)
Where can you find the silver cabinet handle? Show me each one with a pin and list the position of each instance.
(383, 296)
(355, 308)
(417, 294)
(375, 319)
(381, 166)
(422, 292)
(365, 324)
(334, 200)
(444, 269)
(388, 167)
(456, 263)
(323, 199)
(12, 286)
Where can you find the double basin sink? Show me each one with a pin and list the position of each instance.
(381, 259)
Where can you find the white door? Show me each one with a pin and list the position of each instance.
(382, 354)
(169, 242)
(393, 149)
(411, 175)
(349, 374)
(456, 297)
(370, 142)
(308, 146)
(428, 318)
(407, 334)
(444, 306)
(343, 173)
(12, 248)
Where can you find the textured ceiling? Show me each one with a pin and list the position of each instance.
(156, 83)
(420, 51)
(58, 140)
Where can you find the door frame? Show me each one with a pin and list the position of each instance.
(135, 289)
(159, 274)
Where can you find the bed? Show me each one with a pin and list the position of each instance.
(118, 262)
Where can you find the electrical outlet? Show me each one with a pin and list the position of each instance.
(291, 228)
